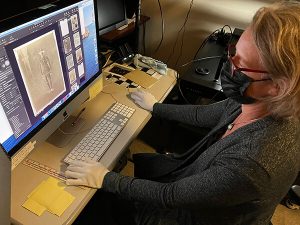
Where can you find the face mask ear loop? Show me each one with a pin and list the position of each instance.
(235, 85)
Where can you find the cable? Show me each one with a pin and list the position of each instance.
(215, 95)
(182, 27)
(226, 25)
(136, 27)
(182, 39)
(216, 32)
(116, 61)
(144, 38)
(162, 27)
(110, 95)
(72, 133)
(107, 60)
(179, 88)
(205, 41)
(88, 129)
(200, 59)
(185, 99)
(181, 47)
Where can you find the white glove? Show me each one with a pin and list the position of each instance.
(88, 173)
(144, 99)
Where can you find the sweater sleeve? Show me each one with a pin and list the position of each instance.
(196, 115)
(227, 183)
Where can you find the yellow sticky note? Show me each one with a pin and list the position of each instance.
(34, 207)
(50, 181)
(49, 195)
(57, 183)
(59, 205)
(96, 88)
(35, 190)
(46, 193)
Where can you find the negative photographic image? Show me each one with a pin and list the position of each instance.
(67, 45)
(41, 71)
(79, 55)
(72, 76)
(76, 37)
(70, 61)
(74, 22)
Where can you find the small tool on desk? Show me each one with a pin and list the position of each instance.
(44, 169)
(148, 62)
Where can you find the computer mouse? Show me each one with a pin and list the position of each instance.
(202, 71)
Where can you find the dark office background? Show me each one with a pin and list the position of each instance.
(15, 7)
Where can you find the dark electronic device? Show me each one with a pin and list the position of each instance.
(202, 78)
(126, 53)
(111, 15)
(48, 59)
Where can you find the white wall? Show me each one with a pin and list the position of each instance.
(205, 17)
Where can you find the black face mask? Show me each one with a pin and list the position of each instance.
(235, 85)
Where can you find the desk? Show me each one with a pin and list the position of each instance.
(25, 179)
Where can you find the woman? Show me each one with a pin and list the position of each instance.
(251, 155)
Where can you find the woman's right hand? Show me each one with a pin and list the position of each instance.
(144, 99)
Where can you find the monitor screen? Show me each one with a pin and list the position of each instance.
(44, 63)
(111, 15)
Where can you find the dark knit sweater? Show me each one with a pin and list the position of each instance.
(239, 179)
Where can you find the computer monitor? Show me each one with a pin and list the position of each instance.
(46, 65)
(111, 15)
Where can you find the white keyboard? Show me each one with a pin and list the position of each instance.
(101, 136)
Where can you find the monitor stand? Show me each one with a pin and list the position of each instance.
(66, 132)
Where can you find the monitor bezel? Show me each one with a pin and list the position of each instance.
(27, 17)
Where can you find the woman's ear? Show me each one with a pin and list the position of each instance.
(274, 90)
(278, 87)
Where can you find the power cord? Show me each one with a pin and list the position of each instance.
(222, 37)
(182, 39)
(219, 35)
(162, 28)
(182, 95)
(182, 27)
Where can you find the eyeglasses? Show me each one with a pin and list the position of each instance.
(231, 51)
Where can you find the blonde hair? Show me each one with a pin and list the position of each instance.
(276, 32)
